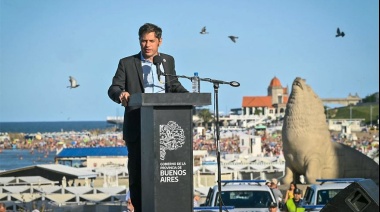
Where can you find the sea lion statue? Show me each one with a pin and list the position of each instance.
(307, 145)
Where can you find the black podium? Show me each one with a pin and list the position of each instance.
(167, 149)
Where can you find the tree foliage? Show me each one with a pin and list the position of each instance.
(369, 98)
(258, 112)
(206, 116)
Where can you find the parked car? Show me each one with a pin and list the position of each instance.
(318, 195)
(241, 195)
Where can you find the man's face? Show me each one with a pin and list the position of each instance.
(297, 197)
(273, 209)
(149, 45)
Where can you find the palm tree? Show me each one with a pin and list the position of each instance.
(206, 116)
(258, 111)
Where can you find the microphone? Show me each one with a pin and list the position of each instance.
(232, 83)
(157, 60)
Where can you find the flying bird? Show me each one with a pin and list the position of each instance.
(203, 31)
(73, 82)
(233, 38)
(339, 33)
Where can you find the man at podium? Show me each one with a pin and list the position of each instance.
(141, 73)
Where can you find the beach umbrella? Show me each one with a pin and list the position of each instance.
(260, 127)
(38, 137)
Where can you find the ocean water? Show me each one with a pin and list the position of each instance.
(18, 158)
(34, 127)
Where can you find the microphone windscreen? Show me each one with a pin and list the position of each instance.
(234, 84)
(157, 60)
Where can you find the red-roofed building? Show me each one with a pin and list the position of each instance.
(273, 105)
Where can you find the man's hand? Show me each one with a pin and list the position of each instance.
(124, 97)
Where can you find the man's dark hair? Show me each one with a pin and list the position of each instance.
(148, 28)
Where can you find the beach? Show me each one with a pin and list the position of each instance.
(26, 149)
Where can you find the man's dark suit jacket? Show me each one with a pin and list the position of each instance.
(129, 77)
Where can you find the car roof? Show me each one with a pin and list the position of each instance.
(330, 186)
(243, 188)
(337, 183)
(243, 185)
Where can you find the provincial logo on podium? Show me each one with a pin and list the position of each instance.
(171, 138)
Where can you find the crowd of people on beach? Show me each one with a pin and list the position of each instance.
(227, 145)
(365, 144)
(55, 141)
(271, 142)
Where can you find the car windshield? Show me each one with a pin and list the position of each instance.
(324, 196)
(246, 199)
(308, 195)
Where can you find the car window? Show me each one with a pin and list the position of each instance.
(208, 198)
(246, 199)
(324, 196)
(308, 195)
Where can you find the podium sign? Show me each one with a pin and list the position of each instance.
(167, 149)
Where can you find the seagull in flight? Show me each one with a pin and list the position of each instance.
(203, 31)
(233, 38)
(73, 82)
(339, 33)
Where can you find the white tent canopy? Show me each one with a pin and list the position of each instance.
(95, 197)
(60, 198)
(15, 189)
(47, 189)
(79, 190)
(112, 190)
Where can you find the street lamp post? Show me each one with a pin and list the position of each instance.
(371, 114)
(350, 113)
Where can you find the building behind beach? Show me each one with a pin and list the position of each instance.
(93, 157)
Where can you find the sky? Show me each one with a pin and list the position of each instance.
(44, 42)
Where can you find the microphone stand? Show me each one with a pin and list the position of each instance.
(178, 76)
(168, 81)
(232, 83)
(216, 84)
(216, 87)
